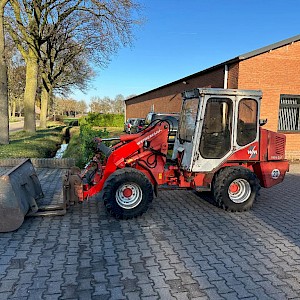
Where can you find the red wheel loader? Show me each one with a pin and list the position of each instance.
(220, 147)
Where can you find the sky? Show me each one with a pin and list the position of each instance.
(182, 37)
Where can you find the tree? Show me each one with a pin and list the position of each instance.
(81, 107)
(119, 104)
(16, 77)
(95, 105)
(67, 106)
(23, 26)
(64, 65)
(101, 26)
(4, 124)
(16, 85)
(101, 105)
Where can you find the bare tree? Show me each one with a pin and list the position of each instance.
(16, 77)
(101, 105)
(81, 107)
(118, 104)
(16, 85)
(130, 96)
(67, 106)
(101, 26)
(64, 65)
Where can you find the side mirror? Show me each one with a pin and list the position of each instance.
(262, 122)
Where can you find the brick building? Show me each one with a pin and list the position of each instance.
(274, 69)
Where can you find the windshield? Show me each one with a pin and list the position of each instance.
(188, 119)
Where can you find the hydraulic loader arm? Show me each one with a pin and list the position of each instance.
(145, 151)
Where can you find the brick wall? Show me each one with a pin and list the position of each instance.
(233, 76)
(275, 72)
(293, 146)
(168, 98)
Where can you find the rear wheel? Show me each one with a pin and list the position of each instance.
(235, 188)
(127, 193)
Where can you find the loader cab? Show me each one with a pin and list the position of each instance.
(214, 125)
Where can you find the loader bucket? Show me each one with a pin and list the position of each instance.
(19, 190)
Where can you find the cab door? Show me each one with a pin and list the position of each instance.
(215, 126)
(228, 131)
(214, 137)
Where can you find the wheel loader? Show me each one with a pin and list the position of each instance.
(220, 147)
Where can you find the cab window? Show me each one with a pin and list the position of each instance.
(247, 122)
(216, 131)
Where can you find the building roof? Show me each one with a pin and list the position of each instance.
(247, 55)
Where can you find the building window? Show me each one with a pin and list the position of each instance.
(289, 113)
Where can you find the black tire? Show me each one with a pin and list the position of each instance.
(123, 206)
(235, 188)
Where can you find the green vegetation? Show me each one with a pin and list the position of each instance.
(88, 145)
(70, 121)
(81, 146)
(103, 120)
(43, 143)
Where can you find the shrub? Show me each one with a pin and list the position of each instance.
(88, 146)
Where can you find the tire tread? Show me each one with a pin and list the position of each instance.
(110, 184)
(221, 180)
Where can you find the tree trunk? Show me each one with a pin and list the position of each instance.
(30, 92)
(44, 107)
(4, 117)
(13, 108)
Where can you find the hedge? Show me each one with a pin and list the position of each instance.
(97, 119)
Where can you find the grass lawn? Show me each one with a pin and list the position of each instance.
(42, 144)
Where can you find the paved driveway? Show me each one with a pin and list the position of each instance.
(182, 248)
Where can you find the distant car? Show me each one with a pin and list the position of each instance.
(128, 124)
(171, 118)
(137, 125)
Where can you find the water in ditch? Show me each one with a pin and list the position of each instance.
(64, 145)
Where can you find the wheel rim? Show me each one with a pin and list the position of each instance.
(239, 191)
(129, 195)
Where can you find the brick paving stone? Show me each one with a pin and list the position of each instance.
(180, 249)
(164, 293)
(101, 289)
(133, 295)
(36, 293)
(21, 290)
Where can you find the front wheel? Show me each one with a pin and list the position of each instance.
(235, 188)
(127, 193)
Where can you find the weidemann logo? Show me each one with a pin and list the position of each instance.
(252, 152)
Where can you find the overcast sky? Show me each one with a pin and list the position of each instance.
(182, 37)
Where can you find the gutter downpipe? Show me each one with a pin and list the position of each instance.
(225, 76)
(125, 111)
